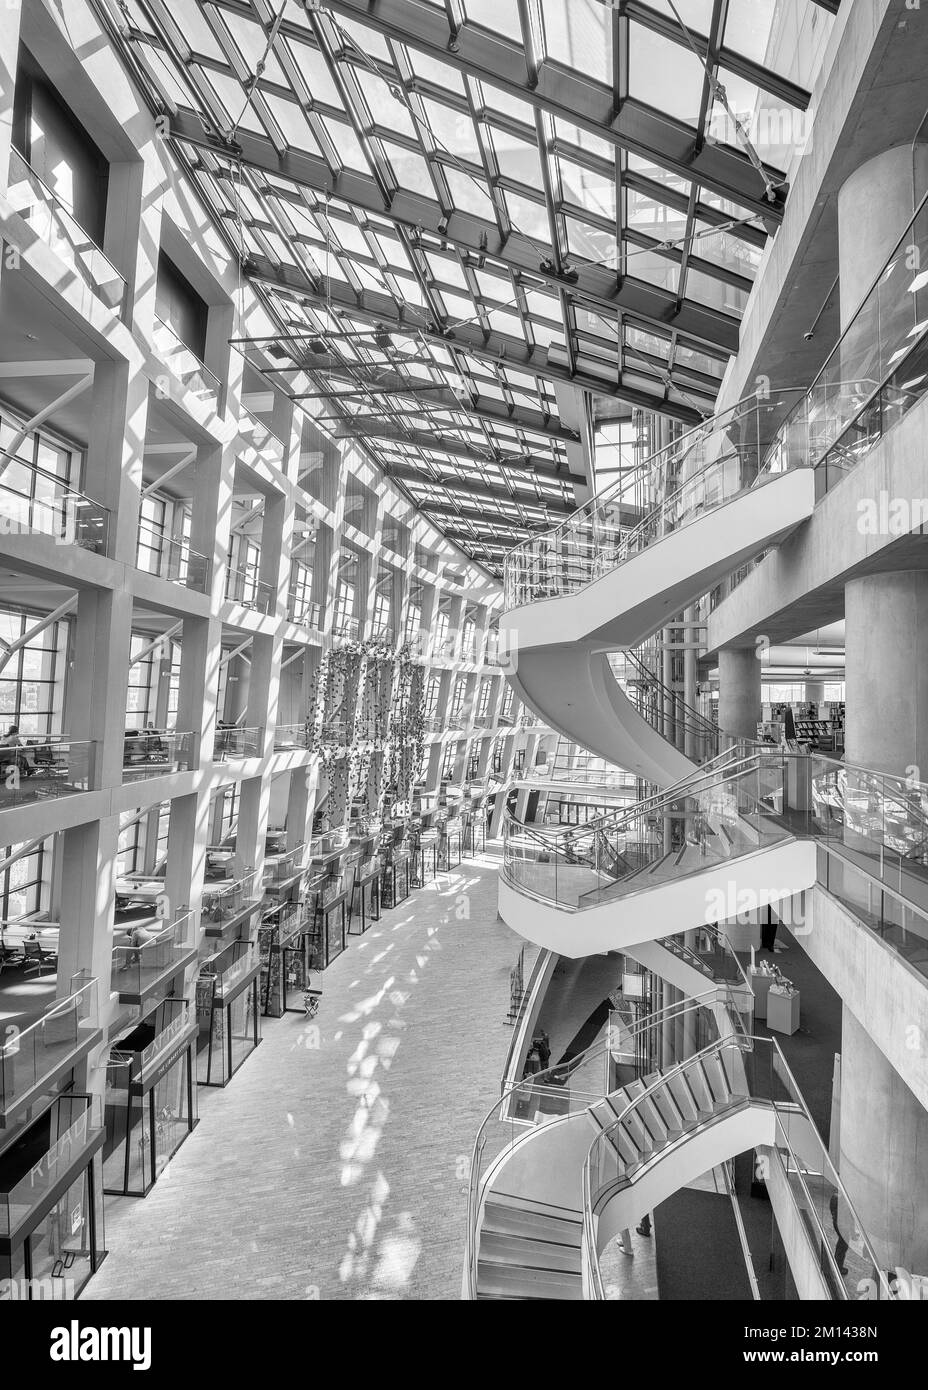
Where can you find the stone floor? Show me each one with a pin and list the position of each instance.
(335, 1163)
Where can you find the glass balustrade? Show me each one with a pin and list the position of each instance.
(74, 1123)
(569, 1088)
(280, 868)
(32, 1053)
(53, 223)
(45, 767)
(33, 504)
(172, 558)
(303, 610)
(146, 953)
(223, 900)
(728, 808)
(234, 742)
(230, 966)
(261, 438)
(245, 588)
(290, 736)
(185, 365)
(155, 753)
(729, 1074)
(696, 474)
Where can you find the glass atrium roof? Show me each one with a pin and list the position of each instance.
(455, 211)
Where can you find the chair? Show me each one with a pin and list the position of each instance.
(37, 960)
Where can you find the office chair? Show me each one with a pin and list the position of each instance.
(38, 961)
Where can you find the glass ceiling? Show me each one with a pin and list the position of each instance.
(451, 207)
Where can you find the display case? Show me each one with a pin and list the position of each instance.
(449, 846)
(396, 879)
(151, 1103)
(51, 1202)
(282, 949)
(228, 1019)
(364, 903)
(326, 923)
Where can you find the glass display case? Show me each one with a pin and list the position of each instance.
(151, 1103)
(326, 922)
(51, 1202)
(282, 948)
(228, 1018)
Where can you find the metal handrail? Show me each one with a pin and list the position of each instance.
(744, 1044)
(589, 1054)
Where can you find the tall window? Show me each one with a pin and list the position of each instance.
(140, 695)
(448, 761)
(457, 700)
(508, 701)
(431, 696)
(413, 621)
(483, 704)
(301, 592)
(152, 515)
(41, 470)
(469, 640)
(380, 621)
(442, 623)
(344, 606)
(24, 883)
(32, 681)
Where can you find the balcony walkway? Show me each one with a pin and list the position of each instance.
(335, 1163)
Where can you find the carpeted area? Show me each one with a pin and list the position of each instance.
(699, 1255)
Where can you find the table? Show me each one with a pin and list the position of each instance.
(146, 890)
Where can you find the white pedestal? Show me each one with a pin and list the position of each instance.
(782, 1011)
(760, 984)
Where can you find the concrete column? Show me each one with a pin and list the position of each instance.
(739, 691)
(874, 206)
(884, 1139)
(886, 669)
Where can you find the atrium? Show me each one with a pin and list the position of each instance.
(463, 816)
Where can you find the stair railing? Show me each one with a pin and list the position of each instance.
(819, 1187)
(548, 1087)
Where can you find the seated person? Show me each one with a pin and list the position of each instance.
(23, 761)
(154, 748)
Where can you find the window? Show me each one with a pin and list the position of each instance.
(486, 691)
(431, 696)
(508, 700)
(413, 622)
(152, 516)
(41, 470)
(442, 623)
(380, 622)
(448, 761)
(344, 607)
(131, 843)
(469, 640)
(24, 883)
(459, 709)
(473, 765)
(32, 681)
(140, 696)
(301, 592)
(179, 306)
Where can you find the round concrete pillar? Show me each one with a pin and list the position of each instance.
(883, 1141)
(739, 691)
(886, 670)
(874, 207)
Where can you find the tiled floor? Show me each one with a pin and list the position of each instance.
(335, 1163)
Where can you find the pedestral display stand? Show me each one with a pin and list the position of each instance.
(782, 1009)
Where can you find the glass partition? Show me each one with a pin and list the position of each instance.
(148, 952)
(173, 558)
(185, 365)
(54, 224)
(245, 588)
(30, 1055)
(234, 742)
(45, 767)
(228, 1017)
(155, 753)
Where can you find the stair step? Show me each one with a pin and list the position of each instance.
(497, 1247)
(516, 1281)
(501, 1219)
